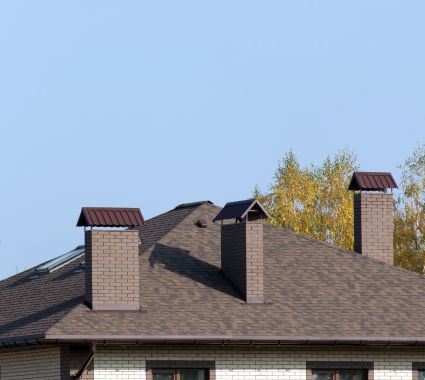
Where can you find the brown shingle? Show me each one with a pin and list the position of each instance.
(28, 307)
(311, 290)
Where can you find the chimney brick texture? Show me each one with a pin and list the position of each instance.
(373, 225)
(242, 258)
(112, 269)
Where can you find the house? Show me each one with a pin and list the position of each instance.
(203, 292)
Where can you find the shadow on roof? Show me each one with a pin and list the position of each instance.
(8, 328)
(181, 262)
(22, 279)
(73, 271)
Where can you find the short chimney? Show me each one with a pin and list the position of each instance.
(111, 257)
(373, 215)
(242, 258)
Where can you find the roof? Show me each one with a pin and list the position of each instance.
(240, 209)
(29, 307)
(192, 204)
(110, 217)
(61, 260)
(313, 293)
(372, 181)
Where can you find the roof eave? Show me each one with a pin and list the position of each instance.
(29, 340)
(238, 340)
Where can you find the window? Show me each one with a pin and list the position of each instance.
(339, 370)
(180, 374)
(342, 374)
(418, 371)
(61, 260)
(180, 370)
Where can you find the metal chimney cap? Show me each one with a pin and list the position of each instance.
(372, 181)
(110, 217)
(240, 210)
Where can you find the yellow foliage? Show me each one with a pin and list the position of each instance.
(313, 201)
(409, 217)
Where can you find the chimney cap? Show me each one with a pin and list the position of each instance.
(110, 217)
(241, 209)
(372, 181)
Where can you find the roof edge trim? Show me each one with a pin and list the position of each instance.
(193, 204)
(303, 340)
(29, 340)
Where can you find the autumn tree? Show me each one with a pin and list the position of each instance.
(314, 200)
(409, 216)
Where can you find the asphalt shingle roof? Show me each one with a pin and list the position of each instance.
(311, 290)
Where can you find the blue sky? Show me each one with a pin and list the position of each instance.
(154, 103)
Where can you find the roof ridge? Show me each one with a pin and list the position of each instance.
(193, 204)
(156, 217)
(196, 207)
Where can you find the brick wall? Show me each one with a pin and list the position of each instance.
(33, 364)
(233, 258)
(112, 269)
(252, 364)
(373, 225)
(242, 258)
(230, 364)
(254, 262)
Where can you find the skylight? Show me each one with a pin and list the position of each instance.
(61, 260)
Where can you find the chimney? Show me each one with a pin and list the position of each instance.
(111, 257)
(242, 247)
(373, 215)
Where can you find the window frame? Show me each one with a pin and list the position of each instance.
(337, 366)
(178, 365)
(177, 372)
(416, 367)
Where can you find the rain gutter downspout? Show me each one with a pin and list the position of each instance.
(87, 362)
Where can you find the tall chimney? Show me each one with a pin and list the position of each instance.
(111, 257)
(242, 259)
(373, 215)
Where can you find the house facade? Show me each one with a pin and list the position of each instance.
(202, 292)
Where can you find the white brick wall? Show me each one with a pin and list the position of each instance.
(231, 364)
(37, 363)
(246, 364)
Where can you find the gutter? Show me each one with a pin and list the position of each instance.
(238, 340)
(28, 340)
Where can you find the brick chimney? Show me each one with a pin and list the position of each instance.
(242, 259)
(373, 215)
(111, 258)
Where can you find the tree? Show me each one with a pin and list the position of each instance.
(314, 200)
(409, 216)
